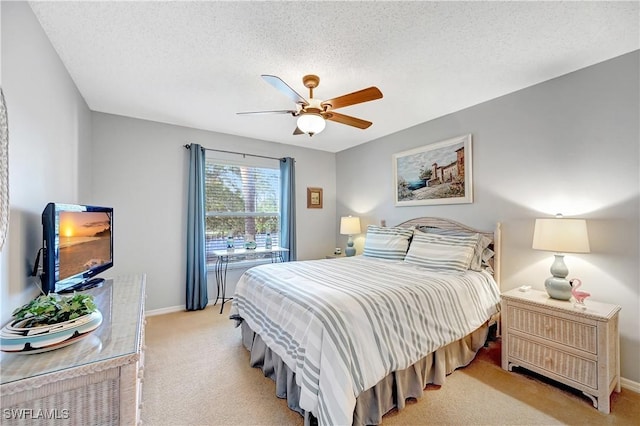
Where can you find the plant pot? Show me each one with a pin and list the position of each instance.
(30, 340)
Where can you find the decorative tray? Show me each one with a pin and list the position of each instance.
(32, 340)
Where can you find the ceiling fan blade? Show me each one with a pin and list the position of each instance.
(284, 88)
(365, 95)
(282, 111)
(297, 131)
(347, 119)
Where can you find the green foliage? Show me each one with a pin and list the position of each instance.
(241, 200)
(425, 174)
(52, 309)
(404, 193)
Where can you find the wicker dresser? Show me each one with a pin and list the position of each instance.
(579, 348)
(96, 381)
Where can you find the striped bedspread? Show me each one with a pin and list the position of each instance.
(343, 324)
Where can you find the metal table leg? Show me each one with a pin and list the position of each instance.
(221, 279)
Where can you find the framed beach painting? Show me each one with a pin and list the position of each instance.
(438, 173)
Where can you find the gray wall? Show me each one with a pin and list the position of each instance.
(61, 151)
(140, 168)
(569, 145)
(49, 147)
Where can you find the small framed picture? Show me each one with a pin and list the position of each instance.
(314, 198)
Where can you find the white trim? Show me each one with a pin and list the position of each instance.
(630, 385)
(162, 311)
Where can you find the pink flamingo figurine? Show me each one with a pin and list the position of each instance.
(577, 294)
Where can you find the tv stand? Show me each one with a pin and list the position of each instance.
(95, 381)
(84, 285)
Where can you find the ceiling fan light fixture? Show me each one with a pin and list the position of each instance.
(313, 113)
(311, 123)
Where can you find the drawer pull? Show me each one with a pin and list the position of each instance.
(548, 360)
(548, 327)
(141, 373)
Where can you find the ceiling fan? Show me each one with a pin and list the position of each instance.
(312, 113)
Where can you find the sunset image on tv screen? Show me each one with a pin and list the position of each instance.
(84, 241)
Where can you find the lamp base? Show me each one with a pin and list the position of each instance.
(558, 288)
(350, 250)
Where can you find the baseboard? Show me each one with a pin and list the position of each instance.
(162, 311)
(630, 385)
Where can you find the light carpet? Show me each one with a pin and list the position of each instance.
(197, 373)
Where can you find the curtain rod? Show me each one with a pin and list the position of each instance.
(188, 146)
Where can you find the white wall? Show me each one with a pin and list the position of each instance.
(140, 168)
(49, 128)
(568, 145)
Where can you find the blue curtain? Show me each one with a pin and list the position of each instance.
(288, 207)
(196, 254)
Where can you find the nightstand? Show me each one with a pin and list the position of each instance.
(334, 256)
(577, 347)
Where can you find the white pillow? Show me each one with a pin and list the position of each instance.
(387, 243)
(442, 252)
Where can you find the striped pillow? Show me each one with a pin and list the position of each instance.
(387, 243)
(442, 252)
(482, 252)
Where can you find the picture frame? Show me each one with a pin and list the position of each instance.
(314, 198)
(438, 173)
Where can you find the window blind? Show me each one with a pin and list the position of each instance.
(242, 202)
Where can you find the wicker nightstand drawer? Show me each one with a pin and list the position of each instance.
(571, 333)
(554, 361)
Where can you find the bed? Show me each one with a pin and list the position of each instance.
(346, 340)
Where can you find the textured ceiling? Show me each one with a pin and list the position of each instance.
(196, 64)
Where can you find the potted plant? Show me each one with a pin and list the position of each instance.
(49, 322)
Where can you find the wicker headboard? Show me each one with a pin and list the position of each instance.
(441, 223)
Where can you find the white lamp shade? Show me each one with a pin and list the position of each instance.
(311, 123)
(561, 235)
(349, 225)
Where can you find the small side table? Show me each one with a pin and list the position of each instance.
(222, 261)
(334, 256)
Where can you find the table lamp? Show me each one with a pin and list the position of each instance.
(350, 226)
(560, 236)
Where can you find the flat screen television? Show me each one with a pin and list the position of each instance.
(77, 245)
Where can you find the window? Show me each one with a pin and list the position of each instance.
(242, 202)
